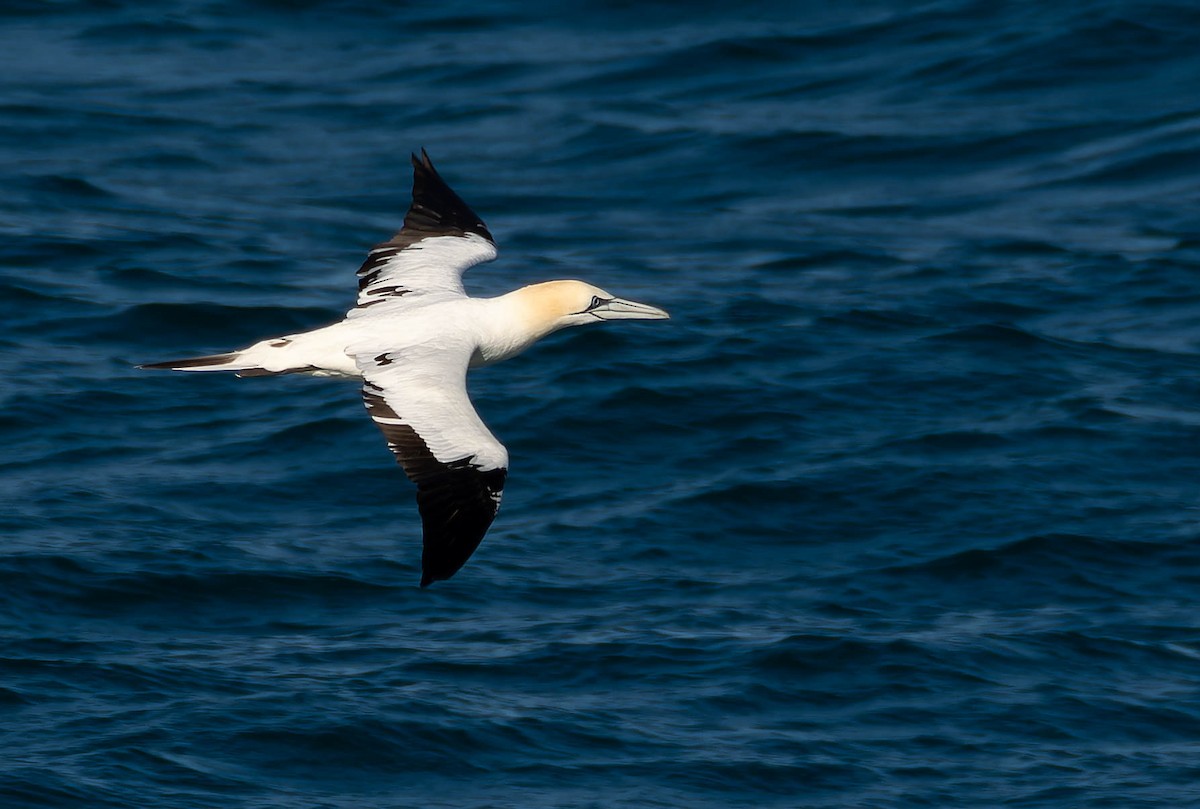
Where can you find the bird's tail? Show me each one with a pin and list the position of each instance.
(235, 361)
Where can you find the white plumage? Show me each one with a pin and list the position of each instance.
(411, 338)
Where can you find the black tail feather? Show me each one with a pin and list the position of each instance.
(192, 362)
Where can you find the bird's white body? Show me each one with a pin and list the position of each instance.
(411, 338)
(489, 330)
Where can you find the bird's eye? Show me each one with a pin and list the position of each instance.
(596, 301)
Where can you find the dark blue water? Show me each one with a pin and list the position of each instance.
(902, 508)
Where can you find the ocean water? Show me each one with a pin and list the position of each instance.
(901, 508)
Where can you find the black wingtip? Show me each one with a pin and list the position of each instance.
(423, 163)
(436, 209)
(426, 580)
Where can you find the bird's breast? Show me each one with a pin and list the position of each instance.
(497, 350)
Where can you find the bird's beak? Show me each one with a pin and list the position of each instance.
(621, 309)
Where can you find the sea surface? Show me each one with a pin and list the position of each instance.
(901, 507)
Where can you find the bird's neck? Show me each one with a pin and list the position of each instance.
(515, 321)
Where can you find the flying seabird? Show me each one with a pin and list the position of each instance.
(411, 338)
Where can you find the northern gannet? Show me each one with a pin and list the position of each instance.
(411, 338)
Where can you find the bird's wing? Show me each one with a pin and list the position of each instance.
(441, 239)
(418, 399)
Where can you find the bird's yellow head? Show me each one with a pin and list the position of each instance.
(555, 305)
